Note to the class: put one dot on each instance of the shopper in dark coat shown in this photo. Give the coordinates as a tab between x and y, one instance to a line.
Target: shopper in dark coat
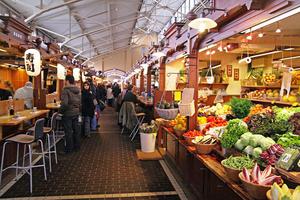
101	92
70	109
88	108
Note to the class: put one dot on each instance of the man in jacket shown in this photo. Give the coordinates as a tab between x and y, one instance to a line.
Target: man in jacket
70	109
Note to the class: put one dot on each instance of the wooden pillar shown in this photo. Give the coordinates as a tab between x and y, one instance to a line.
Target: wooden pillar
60	86
133	80
193	74
36	90
39	94
162	74
149	80
142	81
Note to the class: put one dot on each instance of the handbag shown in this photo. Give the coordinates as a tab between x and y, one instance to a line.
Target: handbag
101	105
95	102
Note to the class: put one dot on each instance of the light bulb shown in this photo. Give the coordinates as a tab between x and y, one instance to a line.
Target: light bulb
260	35
208	53
249	37
212	52
220	48
278	30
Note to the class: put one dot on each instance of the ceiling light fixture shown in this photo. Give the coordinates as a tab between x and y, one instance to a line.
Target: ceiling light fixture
273	20
249	37
260	35
203	23
3	50
278	30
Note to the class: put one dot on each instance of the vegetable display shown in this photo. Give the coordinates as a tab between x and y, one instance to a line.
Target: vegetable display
233	131
193	133
289	140
284	193
294	120
240	107
207	139
260	123
272	154
288	159
149	128
238	162
259	177
284	113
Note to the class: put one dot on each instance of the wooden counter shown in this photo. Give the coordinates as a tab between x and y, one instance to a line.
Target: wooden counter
53	106
24	115
204	173
145	101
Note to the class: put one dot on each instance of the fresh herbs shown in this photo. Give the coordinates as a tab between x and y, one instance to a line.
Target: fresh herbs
289	140
240	107
233	131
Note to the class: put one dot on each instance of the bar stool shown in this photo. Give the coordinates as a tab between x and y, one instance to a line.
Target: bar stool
50	133
140	119
26	140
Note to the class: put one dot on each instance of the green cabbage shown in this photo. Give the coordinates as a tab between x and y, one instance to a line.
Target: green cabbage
256	152
248	150
265	143
255	139
246	137
239	145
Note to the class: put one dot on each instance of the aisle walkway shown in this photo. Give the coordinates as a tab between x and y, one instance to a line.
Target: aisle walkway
105	167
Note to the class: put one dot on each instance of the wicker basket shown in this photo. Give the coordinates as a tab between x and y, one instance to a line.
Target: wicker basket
254	190
232	173
168	114
204	148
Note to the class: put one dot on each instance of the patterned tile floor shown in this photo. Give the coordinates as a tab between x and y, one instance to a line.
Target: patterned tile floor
106	164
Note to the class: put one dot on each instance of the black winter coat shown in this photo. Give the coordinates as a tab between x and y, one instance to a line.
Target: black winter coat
88	108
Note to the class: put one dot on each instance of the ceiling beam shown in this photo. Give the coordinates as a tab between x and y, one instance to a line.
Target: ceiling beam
80	24
109	23
105	44
99	29
105	37
42	11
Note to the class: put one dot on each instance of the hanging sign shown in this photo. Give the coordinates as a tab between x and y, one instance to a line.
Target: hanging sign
32	59
76	74
83	77
61	72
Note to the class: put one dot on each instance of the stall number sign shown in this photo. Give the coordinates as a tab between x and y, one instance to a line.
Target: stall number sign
32	59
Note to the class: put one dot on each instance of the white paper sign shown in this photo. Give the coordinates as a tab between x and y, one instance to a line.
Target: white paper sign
32	59
76	74
61	72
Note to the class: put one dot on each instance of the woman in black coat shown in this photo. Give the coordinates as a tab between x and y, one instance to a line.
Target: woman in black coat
88	108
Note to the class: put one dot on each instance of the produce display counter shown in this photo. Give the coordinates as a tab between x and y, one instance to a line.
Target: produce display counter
204	173
273	102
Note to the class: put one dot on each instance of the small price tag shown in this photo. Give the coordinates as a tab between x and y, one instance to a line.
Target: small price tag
286	158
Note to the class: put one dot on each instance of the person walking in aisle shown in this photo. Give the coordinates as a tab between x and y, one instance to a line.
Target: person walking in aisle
88	108
109	96
70	109
101	92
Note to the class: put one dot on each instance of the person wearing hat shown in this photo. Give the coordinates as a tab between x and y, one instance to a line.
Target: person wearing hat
25	93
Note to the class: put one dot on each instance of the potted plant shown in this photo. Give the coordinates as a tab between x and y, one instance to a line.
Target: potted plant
148	134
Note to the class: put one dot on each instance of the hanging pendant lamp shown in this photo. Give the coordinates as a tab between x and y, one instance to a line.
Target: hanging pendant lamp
201	24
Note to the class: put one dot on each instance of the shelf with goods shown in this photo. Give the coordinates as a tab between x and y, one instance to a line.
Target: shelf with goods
268	86
273	102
